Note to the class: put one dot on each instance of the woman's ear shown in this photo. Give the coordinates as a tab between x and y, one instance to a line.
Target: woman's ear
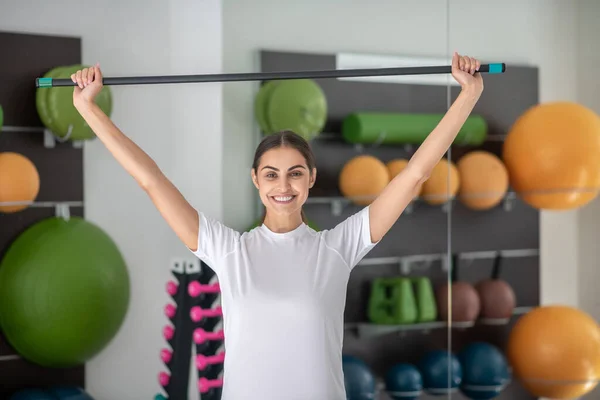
313	178
254	177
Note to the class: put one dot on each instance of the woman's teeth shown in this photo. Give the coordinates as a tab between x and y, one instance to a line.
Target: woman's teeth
283	199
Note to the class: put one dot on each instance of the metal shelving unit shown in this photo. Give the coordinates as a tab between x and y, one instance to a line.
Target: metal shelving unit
366	330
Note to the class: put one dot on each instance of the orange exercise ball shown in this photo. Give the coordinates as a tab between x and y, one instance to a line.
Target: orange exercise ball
555	352
19	181
552	153
362	179
443	183
396	166
483	180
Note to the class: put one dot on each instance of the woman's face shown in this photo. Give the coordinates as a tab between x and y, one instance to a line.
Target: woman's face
283	180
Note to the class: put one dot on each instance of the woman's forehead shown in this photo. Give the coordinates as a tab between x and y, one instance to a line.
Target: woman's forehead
283	157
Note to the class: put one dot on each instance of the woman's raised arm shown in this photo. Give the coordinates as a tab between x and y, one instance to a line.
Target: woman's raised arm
169	201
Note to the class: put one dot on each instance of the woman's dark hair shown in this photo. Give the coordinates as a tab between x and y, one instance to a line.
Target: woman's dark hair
285	139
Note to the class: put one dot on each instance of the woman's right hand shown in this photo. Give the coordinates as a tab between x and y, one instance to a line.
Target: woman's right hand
89	84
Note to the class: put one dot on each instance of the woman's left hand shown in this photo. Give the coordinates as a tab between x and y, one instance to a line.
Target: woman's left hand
464	70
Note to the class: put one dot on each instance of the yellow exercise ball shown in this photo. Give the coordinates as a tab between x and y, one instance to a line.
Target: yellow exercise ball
396	166
362	179
552	153
443	183
483	180
555	352
19	181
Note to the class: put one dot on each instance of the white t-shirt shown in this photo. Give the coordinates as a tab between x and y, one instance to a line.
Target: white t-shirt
283	297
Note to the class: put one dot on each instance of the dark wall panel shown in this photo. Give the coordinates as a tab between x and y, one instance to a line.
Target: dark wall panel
28	56
425	229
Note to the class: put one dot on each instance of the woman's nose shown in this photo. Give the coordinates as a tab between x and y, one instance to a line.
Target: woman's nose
284	183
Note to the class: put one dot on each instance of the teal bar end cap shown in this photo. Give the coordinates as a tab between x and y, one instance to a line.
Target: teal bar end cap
497	68
43	82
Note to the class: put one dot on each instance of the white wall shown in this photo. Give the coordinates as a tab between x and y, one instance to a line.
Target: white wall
178	125
588	87
543	33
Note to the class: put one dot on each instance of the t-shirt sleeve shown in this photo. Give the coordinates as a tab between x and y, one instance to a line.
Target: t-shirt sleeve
351	238
215	241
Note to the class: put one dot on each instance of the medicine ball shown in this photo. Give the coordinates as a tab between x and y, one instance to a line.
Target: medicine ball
358	379
403	382
485	371
436	366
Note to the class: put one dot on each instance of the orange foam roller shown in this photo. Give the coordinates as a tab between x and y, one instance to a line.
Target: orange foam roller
19	181
555	352
552	153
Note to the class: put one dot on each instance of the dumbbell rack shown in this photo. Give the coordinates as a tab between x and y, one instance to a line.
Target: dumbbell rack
195	320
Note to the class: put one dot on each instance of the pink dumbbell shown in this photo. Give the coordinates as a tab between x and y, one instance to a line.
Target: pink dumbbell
166	355
195	289
201	336
205	384
172	288
203	361
170	310
197	313
163	379
168	332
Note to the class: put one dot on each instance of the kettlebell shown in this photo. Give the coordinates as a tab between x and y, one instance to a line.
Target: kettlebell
464	298
498	299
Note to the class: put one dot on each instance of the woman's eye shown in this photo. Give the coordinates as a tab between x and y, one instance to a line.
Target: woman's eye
296	173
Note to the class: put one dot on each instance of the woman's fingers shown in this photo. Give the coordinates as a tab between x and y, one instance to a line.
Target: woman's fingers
474	65
78	76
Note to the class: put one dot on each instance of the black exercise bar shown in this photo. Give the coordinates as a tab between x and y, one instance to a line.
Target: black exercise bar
496	68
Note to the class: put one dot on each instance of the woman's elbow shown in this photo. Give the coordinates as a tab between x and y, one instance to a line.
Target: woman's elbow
418	175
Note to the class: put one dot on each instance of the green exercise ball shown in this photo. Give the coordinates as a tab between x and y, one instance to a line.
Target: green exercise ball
41	102
260	106
299	105
63	113
64	292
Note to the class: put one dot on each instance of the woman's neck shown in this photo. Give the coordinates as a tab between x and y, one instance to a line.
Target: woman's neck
283	223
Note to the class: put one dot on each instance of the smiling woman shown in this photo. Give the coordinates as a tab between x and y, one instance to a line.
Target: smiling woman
283	284
283	171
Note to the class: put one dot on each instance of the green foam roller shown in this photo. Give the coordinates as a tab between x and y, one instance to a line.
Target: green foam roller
425	299
392	128
392	302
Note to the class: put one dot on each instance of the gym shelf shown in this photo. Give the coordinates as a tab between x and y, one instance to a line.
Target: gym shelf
10	357
337	137
405	262
338	203
62	209
365	330
50	139
43	204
